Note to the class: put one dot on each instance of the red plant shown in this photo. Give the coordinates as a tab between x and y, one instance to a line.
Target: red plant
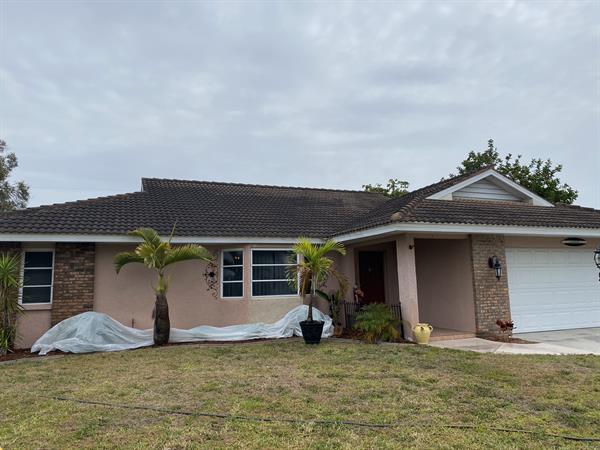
506	327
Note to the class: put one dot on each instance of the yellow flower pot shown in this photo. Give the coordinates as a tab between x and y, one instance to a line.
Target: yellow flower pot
422	331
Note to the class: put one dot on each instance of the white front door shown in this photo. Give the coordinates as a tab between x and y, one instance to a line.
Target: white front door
553	289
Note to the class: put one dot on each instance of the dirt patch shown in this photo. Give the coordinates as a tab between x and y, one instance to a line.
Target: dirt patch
24	353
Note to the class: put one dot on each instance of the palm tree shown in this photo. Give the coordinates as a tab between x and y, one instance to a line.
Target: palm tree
10	281
157	255
314	268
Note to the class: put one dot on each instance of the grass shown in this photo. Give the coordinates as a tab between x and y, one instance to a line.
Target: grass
421	388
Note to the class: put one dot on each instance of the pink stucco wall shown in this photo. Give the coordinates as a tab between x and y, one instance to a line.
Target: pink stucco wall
129	298
30	326
445	283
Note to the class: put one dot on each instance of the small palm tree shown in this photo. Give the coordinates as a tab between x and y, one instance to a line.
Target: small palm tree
157	255
314	268
10	281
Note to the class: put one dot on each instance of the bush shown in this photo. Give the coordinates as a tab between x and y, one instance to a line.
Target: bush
376	323
10	273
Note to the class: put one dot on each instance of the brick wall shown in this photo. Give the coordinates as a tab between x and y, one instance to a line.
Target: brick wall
490	295
73	291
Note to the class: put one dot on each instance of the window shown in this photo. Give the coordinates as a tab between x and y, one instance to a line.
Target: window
269	273
232	270
37	277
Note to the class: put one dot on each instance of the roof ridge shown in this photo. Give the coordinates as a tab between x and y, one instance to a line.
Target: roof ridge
227	183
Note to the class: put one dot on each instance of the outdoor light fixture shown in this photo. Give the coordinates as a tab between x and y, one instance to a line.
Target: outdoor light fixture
597	259
574	242
494	263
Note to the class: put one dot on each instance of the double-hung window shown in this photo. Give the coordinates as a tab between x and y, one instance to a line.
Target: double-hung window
232	270
37	277
270	273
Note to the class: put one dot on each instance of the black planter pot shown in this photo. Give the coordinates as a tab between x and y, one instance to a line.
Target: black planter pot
311	331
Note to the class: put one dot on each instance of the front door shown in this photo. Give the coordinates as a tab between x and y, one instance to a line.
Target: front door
370	274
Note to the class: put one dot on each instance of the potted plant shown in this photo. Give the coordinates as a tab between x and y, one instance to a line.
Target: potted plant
311	271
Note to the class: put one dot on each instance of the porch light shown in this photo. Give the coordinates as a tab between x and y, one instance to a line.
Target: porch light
494	263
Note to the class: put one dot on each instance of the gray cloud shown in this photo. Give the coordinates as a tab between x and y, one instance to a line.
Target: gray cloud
95	95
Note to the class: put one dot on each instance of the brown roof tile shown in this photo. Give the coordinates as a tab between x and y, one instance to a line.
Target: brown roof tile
228	209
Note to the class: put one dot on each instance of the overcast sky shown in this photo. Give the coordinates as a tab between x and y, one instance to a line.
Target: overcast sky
94	96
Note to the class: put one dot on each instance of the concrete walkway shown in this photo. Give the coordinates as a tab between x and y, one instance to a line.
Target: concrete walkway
566	342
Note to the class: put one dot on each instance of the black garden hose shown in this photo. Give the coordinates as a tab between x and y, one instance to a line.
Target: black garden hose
326	422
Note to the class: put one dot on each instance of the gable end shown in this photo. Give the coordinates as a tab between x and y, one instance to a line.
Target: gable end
490	185
486	189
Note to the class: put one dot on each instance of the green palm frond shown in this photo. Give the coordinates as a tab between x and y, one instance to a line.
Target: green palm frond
314	265
331	246
124	258
186	253
10	270
148	235
157	254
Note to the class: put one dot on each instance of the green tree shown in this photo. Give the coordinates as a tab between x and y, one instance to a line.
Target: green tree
539	176
10	281
157	255
314	267
394	188
12	195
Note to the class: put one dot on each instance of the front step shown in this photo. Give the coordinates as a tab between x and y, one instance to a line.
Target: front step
446	335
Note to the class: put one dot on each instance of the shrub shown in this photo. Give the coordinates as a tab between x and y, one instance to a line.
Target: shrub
376	323
10	274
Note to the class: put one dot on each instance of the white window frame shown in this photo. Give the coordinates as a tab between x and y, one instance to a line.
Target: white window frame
37	250
236	265
252	280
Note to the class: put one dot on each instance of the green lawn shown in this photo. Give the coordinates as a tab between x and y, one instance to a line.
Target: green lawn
420	388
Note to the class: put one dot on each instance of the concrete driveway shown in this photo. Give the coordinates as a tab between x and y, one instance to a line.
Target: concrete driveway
586	339
583	341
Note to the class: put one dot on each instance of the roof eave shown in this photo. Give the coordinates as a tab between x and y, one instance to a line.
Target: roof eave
461	228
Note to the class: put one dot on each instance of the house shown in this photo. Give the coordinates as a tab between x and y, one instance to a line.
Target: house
428	250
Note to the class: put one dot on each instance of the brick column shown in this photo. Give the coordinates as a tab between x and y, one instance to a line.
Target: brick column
73	291
490	295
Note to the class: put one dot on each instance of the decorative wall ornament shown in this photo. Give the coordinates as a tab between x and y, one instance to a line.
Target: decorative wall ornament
211	276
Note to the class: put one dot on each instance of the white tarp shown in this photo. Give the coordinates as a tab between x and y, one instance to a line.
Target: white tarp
97	332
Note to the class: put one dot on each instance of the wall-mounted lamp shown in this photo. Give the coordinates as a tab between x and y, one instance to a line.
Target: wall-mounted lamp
494	263
597	259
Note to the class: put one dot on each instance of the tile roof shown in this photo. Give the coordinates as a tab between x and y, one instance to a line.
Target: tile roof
200	209
215	209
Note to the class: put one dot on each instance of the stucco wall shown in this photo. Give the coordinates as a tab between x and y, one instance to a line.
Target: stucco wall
129	298
31	325
445	283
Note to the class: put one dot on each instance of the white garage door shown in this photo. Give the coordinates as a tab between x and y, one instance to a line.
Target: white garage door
553	289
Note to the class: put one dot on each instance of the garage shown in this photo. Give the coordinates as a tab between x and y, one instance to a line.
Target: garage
553	289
